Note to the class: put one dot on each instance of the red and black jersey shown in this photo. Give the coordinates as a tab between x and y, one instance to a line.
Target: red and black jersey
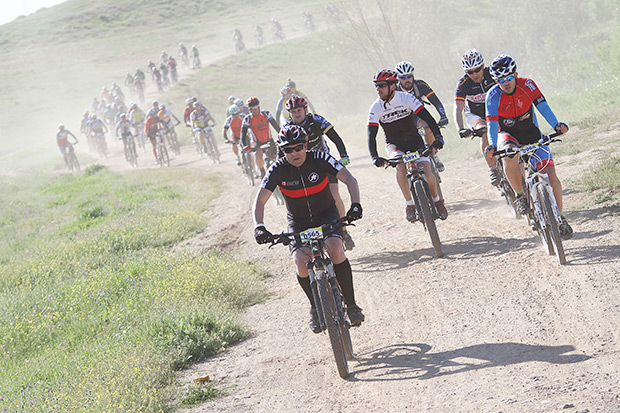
305	189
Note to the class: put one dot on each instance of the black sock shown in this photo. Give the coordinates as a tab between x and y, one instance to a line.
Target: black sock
344	276
305	285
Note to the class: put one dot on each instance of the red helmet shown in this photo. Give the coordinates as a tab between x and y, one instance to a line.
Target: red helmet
296	102
253	101
385	75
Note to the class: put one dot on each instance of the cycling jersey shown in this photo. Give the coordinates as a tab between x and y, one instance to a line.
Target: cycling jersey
473	94
136	116
62	138
421	90
97	126
124	126
515	112
396	117
199	119
305	189
234	124
259	126
316	126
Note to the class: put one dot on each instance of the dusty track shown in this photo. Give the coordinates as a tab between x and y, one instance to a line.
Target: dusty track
494	326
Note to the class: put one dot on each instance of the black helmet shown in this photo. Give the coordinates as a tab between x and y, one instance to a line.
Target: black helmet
292	134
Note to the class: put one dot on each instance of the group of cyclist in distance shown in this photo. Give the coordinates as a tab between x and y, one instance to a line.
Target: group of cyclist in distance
493	99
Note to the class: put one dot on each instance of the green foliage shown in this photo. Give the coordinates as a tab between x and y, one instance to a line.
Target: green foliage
200	393
97	316
604	180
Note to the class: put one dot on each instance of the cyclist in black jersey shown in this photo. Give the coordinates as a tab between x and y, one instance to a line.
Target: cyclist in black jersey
316	126
425	94
303	178
471	91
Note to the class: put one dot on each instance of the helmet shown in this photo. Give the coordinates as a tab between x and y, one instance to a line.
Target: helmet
193	99
385	75
162	107
188	100
471	59
253	101
290	84
94	117
233	109
180	44
155	103
291	134
61	126
239	102
123	115
403	68
196	104
134	105
296	102
85	114
285	91
503	66
231	99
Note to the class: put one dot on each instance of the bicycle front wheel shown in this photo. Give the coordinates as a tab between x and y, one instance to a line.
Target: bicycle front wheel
552	223
427	218
330	314
75	165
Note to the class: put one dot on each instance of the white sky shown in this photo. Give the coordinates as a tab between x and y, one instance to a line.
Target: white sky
10	9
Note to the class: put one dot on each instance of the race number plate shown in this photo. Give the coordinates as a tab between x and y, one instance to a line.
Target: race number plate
528	148
311	233
411	157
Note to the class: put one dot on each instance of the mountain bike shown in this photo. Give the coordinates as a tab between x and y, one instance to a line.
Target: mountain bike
425	207
271	155
100	143
543	214
160	149
327	295
247	164
173	140
131	154
504	188
196	62
210	145
70	159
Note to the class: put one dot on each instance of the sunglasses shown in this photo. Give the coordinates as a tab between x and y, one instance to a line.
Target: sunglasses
405	77
296	148
471	72
506	79
381	85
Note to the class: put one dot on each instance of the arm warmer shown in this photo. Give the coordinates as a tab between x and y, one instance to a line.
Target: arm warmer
492	130
437	103
545	110
334	137
428	118
372	140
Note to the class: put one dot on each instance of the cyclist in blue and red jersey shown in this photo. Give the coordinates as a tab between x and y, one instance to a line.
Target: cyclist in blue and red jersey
471	91
303	178
394	111
425	94
512	121
62	139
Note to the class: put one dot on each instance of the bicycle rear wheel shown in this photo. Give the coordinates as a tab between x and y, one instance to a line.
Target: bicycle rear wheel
75	163
427	218
330	314
552	223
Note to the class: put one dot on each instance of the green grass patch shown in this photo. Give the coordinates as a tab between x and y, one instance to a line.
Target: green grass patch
604	180
96	309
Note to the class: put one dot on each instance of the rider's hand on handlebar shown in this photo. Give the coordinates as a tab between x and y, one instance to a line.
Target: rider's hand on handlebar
344	160
561	127
355	212
437	143
490	148
442	122
261	235
465	133
379	162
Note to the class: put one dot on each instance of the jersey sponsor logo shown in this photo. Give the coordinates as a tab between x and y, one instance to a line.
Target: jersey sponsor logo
394	115
530	85
479	98
524	117
313	177
290	183
509	122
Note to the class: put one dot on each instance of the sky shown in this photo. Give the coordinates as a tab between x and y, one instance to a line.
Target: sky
10	9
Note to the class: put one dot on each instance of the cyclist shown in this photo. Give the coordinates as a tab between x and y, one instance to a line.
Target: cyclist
233	122
425	94
289	89
310	204
471	90
257	122
512	121
136	117
124	126
195	56
199	120
139	75
316	126
167	116
182	53
189	108
231	101
84	123
129	81
151	126
258	36
62	139
276	28
394	111
245	111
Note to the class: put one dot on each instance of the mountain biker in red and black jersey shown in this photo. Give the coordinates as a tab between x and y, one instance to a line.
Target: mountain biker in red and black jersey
303	178
471	91
394	111
512	121
257	122
425	94
233	122
316	127
62	139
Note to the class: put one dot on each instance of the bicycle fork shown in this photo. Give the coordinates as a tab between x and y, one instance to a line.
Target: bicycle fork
325	266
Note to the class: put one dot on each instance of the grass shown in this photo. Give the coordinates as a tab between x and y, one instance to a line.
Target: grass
96	309
604	181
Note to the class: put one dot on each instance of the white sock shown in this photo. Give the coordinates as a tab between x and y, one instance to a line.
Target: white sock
410	202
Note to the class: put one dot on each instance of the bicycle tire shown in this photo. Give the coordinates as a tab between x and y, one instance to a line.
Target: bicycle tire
507	192
429	222
534	216
165	156
247	168
552	223
342	322
330	314
75	164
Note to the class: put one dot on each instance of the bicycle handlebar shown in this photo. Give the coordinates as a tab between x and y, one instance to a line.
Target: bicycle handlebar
395	161
512	151
321	232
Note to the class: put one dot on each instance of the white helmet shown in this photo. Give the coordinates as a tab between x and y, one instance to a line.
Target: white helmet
472	59
404	68
231	100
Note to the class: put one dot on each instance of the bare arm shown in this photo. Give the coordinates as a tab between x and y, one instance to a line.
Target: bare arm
258	209
354	191
459	105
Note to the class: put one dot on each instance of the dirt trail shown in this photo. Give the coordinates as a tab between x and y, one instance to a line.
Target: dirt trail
495	325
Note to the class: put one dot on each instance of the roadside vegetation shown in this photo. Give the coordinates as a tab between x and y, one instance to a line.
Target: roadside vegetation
96	309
